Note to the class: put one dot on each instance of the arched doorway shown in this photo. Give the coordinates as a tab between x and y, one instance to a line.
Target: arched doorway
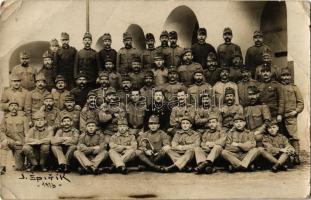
183	20
138	36
34	49
273	23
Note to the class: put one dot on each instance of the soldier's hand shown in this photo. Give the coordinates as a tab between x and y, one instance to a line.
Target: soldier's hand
292	113
149	152
235	144
279	118
77	107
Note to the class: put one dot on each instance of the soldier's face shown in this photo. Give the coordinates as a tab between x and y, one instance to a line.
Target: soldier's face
266	59
13	107
198	77
69	104
224	74
173	41
212	124
40	84
253	97
185	125
150	43
24	61
158	97
266	74
47	62
135	96
201	37
164	40
246	74
16	84
239	124
67	122
60	85
237	61
258	40
286	78
107	44
122	128
206	101
81	81
87	42
48	103
104	81
148	81
54	47
229	99
227	37
173	76
188	57
159	62
39	123
153	126
65	42
91	101
127	43
273	130
126	85
211	64
181	96
109	66
136	66
91	128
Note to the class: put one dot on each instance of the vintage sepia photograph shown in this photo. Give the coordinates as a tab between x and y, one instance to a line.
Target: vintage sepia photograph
154	99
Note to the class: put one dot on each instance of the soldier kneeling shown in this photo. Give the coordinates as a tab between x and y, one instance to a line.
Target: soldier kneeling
276	148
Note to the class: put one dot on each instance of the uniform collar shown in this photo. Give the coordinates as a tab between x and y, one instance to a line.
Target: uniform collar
123	135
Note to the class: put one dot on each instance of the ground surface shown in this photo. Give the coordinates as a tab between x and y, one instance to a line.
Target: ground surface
262	184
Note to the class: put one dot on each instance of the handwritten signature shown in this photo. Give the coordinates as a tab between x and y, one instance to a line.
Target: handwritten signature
51	180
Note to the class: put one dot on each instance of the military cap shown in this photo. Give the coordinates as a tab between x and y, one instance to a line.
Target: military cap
122	121
272	122
253	89
149	36
258	33
266	54
48	96
91	120
164	33
229	90
158	55
106	36
172	69
266	68
59	78
198	71
154	119
239	116
66	116
108	59
103	74
149	74
126	78
40	77
47	54
24	54
38	115
224	68
136	59
213	115
187	117
81	74
91	93
111	90
173	34
211	56
186	50
227	30
64	35
15	77
13	101
285	71
87	35
54	41
127	35
244	68
202	31
69	98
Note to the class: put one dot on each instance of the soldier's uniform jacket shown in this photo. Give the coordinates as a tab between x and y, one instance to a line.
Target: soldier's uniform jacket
52	117
137	79
110	125
34	100
200	52
235	74
271	95
202	114
59	98
178	112
50	75
274	71
212	77
218	137
186	72
188	138
226	53
245	137
274	143
124	96
228	113
170	90
292	99
91	140
86	62
115	79
104	54
14	128
256	115
135	114
27	74
253	57
80	95
176	56
125	139
243	91
219	91
167	54
124	59
35	134
73	133
147	58
160	76
147	92
85	114
196	90
10	94
158	140
74	114
65	60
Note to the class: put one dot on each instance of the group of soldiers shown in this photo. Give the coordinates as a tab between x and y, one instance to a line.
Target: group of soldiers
186	108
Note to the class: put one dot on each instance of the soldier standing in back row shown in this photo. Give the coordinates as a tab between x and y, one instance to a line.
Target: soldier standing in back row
49	70
106	52
177	51
147	56
164	48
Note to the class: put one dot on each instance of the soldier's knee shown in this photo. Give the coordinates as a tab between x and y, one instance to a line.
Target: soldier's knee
217	147
72	148
261	149
225	153
138	152
197	149
26	149
76	153
45	148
